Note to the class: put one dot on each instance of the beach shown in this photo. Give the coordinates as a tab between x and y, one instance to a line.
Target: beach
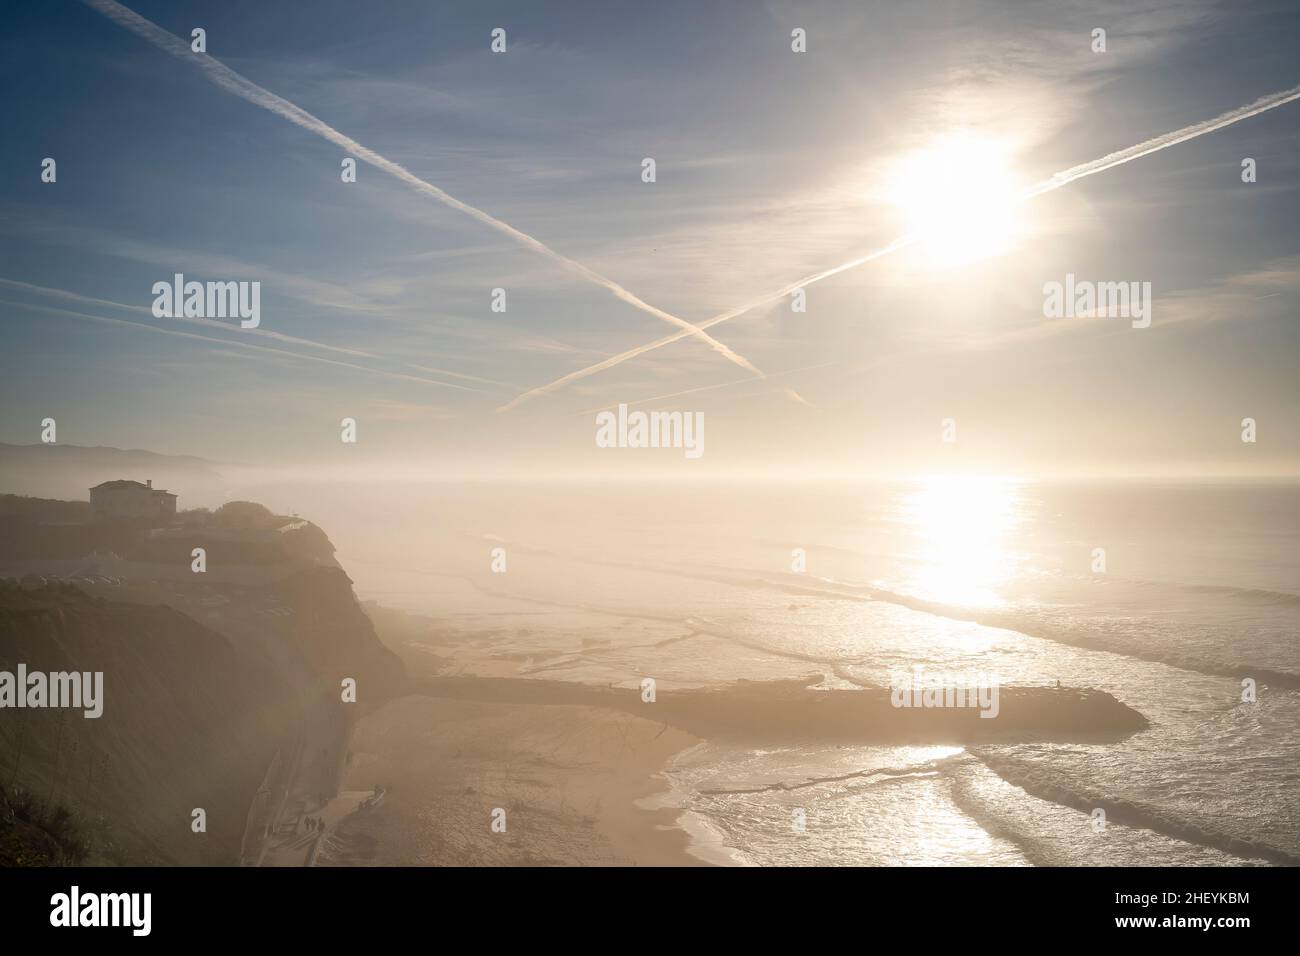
569	779
902	577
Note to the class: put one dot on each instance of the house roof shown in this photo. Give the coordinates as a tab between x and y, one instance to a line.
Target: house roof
123	484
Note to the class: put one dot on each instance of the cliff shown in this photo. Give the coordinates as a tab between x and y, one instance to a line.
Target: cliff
206	686
185	724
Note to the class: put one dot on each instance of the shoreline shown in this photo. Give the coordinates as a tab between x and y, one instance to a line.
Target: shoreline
704	842
472	783
648	827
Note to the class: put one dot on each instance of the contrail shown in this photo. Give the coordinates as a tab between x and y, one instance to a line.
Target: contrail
245	88
211	323
723	317
1157	143
1054	182
267	333
400	376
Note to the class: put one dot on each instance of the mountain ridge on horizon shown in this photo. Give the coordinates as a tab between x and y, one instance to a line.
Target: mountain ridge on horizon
68	471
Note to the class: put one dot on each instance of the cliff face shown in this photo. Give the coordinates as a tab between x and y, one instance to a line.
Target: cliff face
201	692
334	638
186	724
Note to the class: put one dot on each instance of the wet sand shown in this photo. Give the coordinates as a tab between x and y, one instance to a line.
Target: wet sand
569	779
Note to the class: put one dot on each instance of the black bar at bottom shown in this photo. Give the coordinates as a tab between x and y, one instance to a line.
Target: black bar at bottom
382	906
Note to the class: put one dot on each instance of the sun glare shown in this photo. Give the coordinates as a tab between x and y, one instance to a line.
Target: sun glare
959	198
962	528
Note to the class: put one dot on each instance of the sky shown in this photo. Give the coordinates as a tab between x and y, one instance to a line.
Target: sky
770	165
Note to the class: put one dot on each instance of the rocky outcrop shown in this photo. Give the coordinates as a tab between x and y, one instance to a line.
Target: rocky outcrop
792	710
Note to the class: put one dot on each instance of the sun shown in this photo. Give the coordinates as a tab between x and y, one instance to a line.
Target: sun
959	198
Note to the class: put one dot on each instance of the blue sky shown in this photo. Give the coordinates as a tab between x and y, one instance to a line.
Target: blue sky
770	164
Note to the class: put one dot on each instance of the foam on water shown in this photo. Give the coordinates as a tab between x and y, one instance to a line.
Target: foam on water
696	587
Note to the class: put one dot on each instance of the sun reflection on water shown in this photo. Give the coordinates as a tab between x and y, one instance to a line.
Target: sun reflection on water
960	532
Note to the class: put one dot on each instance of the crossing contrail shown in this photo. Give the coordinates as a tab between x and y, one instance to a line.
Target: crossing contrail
241	86
1054	182
723	317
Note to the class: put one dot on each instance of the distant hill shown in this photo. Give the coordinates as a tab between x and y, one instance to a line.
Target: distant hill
69	471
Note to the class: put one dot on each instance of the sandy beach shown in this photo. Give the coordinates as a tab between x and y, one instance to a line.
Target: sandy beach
569	779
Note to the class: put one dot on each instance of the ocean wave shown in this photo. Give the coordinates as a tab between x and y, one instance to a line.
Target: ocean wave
1053	787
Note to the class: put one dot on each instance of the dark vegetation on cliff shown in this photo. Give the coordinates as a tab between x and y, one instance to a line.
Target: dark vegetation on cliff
239	532
204	683
186	724
35	832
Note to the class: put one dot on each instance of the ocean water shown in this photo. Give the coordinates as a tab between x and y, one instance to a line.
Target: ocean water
698	584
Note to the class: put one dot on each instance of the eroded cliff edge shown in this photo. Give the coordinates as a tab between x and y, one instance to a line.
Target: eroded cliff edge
210	680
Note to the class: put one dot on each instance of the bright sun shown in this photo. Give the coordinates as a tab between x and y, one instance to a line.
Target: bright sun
959	198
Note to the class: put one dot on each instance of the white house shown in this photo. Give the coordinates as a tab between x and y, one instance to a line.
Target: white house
130	499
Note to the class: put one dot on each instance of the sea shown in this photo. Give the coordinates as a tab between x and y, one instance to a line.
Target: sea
1181	599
